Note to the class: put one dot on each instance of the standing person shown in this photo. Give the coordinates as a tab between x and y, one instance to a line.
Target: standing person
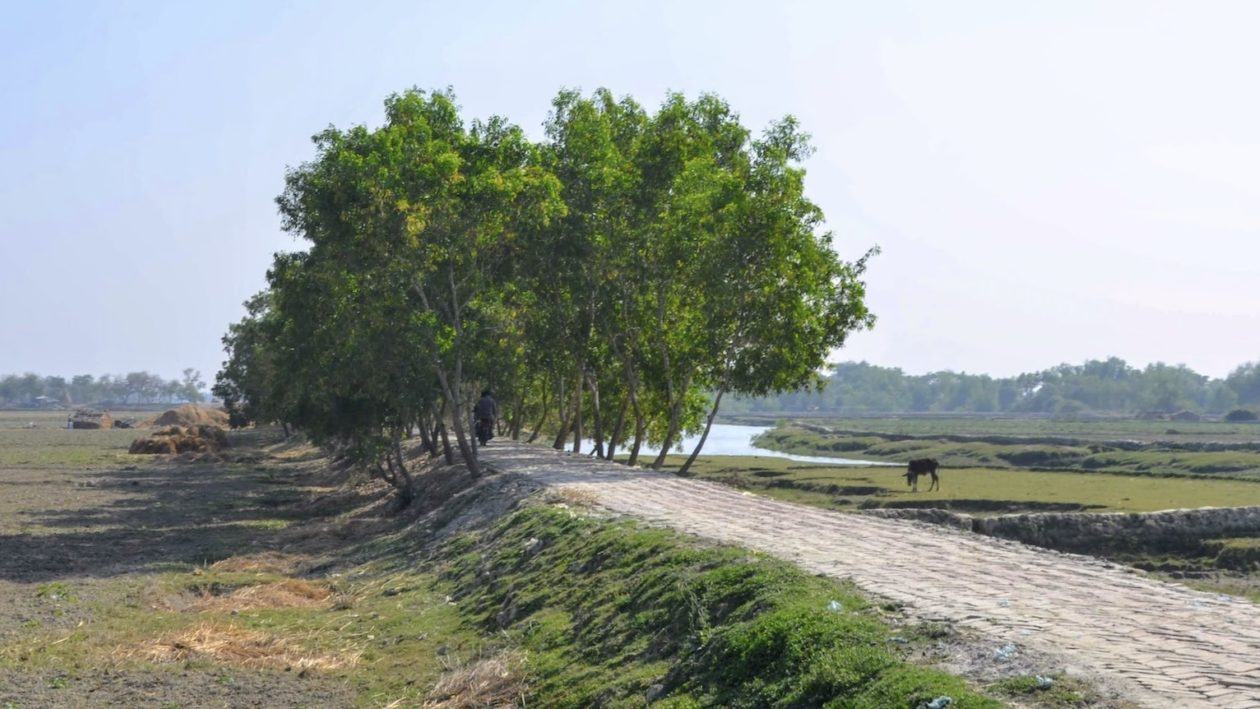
486	412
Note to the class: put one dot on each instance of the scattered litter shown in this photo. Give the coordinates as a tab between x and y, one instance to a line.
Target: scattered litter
1044	682
898	639
1005	652
1004	603
938	703
533	545
835	607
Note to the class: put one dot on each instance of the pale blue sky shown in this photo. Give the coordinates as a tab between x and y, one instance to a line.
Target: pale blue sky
1049	182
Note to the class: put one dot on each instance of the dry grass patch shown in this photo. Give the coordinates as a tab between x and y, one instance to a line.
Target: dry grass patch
290	593
489	682
231	645
267	562
576	496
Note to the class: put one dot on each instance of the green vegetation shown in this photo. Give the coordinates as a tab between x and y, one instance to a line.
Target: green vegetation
1028	429
606	282
1108	386
591	612
1220	459
588	612
25	390
970	489
50	445
609	612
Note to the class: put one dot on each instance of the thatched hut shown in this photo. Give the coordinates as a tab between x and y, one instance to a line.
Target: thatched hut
85	418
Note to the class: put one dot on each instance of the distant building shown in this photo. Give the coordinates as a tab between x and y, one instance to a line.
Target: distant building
1185	415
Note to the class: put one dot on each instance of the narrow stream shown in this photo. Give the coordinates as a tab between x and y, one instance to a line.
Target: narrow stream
731	439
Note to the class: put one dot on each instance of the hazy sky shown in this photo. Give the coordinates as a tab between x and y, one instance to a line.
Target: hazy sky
1049	182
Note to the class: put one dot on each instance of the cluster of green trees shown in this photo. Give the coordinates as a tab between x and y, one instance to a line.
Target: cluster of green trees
26	390
612	281
1099	386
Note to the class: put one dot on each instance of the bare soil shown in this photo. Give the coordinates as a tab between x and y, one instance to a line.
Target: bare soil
76	541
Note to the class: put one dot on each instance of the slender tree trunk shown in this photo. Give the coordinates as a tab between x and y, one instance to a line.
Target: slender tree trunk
426	440
599	424
546	409
453	382
717	401
577	410
518	413
565	421
447	451
640	425
671	431
618	428
406	483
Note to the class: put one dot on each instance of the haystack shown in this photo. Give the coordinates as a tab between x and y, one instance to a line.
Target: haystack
189	415
182	439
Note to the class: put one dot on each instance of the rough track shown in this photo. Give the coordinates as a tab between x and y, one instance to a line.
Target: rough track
1160	644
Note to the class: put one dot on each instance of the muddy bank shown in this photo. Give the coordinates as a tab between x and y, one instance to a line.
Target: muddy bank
1115	532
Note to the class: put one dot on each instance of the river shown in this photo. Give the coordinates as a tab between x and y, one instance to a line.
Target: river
731	439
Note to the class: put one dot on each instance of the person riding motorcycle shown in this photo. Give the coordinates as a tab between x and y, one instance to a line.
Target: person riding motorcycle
485	413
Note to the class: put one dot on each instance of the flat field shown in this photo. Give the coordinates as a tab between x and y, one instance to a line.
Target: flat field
1220	450
971	489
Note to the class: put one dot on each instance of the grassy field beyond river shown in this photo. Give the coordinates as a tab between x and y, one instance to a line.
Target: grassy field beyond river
1018	467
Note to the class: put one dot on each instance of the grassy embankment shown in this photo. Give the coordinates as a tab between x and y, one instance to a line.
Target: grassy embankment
259	580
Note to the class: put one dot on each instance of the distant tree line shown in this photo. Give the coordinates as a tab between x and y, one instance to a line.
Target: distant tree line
32	391
1097	386
611	282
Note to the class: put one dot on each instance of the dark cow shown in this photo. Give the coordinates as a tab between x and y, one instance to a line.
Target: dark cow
922	466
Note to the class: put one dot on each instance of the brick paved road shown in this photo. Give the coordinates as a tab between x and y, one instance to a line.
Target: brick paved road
1161	644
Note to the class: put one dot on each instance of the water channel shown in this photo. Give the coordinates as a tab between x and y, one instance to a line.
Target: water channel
732	439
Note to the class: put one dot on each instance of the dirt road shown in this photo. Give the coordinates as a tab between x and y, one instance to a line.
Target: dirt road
1160	644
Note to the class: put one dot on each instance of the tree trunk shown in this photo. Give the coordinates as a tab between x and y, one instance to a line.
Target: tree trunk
671	431
565	421
542	418
406	483
514	425
426	440
447	452
577	411
717	401
599	424
452	387
618	428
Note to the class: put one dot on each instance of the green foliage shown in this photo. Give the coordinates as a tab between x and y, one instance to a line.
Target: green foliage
1241	415
616	274
609	610
1097	386
24	391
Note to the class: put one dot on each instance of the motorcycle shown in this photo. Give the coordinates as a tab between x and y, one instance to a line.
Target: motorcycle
484	429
